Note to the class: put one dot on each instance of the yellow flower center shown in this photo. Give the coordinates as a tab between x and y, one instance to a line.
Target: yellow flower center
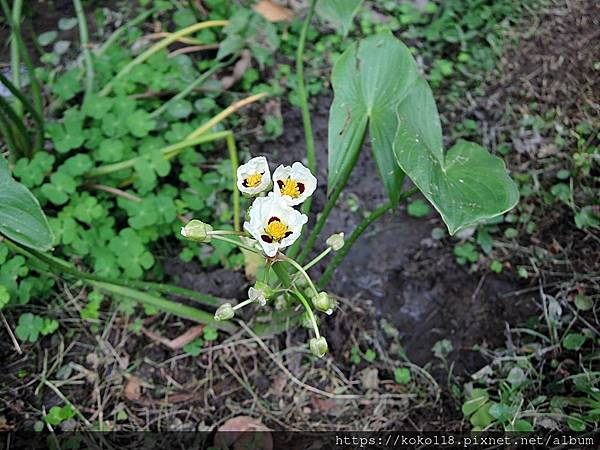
253	180
291	188
276	229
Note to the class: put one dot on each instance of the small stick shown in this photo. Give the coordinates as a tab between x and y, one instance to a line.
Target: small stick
10	333
192	49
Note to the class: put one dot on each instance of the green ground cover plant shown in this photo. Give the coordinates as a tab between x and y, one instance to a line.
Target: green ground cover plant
108	157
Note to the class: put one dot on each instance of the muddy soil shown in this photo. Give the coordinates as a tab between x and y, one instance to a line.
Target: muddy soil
412	280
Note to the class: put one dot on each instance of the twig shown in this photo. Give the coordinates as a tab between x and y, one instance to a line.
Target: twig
10	333
116	191
192	49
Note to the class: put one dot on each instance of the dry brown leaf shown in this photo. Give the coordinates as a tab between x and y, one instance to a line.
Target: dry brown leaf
243	64
244	432
4	426
187	337
370	378
323	404
133	389
178	342
273	12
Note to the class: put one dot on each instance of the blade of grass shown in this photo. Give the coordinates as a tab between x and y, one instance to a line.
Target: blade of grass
118	287
159	46
35	84
225	113
34	114
84	41
121	30
169	152
9	139
177	309
15	57
184	93
24	143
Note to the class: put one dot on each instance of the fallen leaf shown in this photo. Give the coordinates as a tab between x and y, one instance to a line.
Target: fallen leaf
370	378
272	11
187	337
323	404
243	64
179	341
133	389
4	426
243	432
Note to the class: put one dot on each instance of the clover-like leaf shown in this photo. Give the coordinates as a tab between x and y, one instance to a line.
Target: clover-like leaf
67	85
31	172
69	134
4	296
140	123
21	218
60	187
110	150
96	106
77	165
31	326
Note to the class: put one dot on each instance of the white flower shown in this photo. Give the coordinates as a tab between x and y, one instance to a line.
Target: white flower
254	177
274	224
294	184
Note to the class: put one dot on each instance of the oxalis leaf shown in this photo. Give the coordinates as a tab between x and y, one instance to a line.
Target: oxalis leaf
21	218
377	87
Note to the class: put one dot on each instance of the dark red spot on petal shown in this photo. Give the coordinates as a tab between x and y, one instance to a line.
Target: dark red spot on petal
268	239
301	187
273	219
280	184
245	183
287	234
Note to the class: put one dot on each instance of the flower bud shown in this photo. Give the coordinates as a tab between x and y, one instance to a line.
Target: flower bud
260	293
324	302
224	312
335	241
196	231
318	346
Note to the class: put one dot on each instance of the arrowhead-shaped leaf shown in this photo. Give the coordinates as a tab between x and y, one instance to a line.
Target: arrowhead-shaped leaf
370	80
377	87
467	185
21	218
339	12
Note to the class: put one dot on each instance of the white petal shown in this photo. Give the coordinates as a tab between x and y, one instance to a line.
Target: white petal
256	165
299	173
262	210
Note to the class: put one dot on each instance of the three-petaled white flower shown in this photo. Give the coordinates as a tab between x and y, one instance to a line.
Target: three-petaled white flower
274	224
254	177
294	184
